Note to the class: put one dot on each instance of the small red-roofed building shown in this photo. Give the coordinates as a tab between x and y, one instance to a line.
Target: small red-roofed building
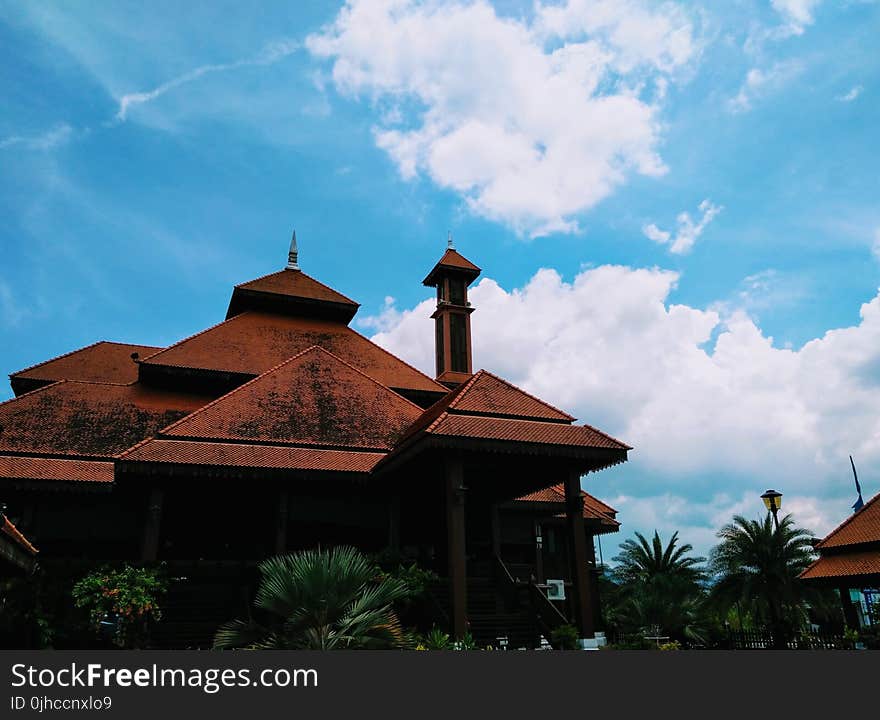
282	428
849	559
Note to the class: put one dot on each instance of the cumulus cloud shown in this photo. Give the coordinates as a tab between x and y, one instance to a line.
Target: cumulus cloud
713	408
797	14
759	82
687	229
530	121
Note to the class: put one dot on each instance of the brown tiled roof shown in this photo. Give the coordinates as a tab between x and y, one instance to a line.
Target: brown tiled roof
860	527
88	419
295	283
253	342
594	509
488	394
313	398
847	564
452	259
40	468
14	533
193	452
101	362
524	431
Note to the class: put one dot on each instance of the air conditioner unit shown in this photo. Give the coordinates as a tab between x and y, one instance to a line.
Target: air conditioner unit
556	589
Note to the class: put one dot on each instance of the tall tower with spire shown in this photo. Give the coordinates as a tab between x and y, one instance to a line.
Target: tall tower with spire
452	276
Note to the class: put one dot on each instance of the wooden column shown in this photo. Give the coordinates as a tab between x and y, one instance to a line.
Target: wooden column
152	525
577	541
281	516
595	600
495	519
850	616
455	534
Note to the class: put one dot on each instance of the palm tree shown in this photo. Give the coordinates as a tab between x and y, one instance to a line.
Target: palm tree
758	566
320	599
642	561
659	588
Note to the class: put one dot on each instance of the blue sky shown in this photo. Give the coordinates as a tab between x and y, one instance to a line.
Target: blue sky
153	156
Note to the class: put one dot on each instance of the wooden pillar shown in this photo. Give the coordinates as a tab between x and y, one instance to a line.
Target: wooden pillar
281	515
539	553
577	541
455	534
850	616
495	519
152	525
595	600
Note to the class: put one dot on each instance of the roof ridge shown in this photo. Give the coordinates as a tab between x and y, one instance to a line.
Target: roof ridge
524	392
305	274
194	335
401	360
848	520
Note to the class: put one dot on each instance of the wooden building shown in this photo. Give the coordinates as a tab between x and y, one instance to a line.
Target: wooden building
849	559
280	428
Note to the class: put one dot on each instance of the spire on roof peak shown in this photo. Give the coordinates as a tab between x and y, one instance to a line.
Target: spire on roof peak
449	245
293	255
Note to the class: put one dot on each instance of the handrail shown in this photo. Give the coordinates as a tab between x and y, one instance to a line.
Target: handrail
508	586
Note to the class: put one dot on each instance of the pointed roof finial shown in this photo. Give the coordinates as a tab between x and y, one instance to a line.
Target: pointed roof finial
292	262
449	244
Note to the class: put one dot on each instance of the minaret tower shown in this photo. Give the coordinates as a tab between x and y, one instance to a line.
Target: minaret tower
452	276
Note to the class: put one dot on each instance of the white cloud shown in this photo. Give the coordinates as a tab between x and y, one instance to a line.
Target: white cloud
531	122
687	230
735	417
853	93
796	13
270	54
759	82
48	140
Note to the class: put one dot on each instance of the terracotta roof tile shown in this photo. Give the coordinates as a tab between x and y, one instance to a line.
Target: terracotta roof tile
192	452
452	259
15	534
40	468
860	527
525	431
88	419
594	508
101	362
488	394
313	398
844	565
295	283
253	342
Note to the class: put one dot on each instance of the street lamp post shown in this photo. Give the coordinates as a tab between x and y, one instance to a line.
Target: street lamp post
773	502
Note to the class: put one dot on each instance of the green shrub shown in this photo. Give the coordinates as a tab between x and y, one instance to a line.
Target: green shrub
565	637
127	598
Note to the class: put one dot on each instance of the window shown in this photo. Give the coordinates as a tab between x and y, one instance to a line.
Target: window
458	342
456	291
438	343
